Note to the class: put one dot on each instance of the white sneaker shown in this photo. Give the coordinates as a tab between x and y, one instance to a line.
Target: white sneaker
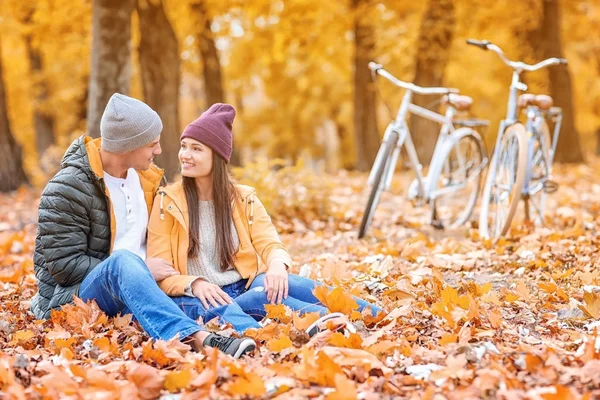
318	325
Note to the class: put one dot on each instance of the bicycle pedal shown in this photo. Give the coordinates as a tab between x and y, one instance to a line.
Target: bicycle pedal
550	186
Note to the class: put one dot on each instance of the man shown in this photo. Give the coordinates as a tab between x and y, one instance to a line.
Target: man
93	217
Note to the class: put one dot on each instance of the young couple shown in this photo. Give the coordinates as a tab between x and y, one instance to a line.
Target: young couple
201	248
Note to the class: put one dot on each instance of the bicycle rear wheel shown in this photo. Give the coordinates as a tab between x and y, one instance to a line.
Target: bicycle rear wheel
540	169
502	190
458	182
386	151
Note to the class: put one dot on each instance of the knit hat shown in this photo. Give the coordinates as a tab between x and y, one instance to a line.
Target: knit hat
213	129
128	124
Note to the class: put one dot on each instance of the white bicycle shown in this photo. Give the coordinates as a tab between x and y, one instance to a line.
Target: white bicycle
452	184
521	165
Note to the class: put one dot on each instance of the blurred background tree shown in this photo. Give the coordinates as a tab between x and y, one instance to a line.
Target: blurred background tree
295	70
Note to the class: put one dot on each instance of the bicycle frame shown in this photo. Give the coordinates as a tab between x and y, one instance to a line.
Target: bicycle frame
426	190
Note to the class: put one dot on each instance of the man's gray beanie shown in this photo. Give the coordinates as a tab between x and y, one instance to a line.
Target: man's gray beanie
128	124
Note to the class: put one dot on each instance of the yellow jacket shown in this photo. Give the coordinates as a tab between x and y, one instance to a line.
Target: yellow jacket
168	236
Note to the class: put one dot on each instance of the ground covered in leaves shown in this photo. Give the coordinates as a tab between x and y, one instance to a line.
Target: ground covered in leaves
466	319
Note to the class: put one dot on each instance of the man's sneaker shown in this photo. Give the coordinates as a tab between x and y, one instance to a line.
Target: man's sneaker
233	346
321	324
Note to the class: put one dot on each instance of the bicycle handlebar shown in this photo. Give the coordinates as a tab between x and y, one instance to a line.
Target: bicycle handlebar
518	65
378	69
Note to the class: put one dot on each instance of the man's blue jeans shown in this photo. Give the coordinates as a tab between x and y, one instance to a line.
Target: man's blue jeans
123	284
300	297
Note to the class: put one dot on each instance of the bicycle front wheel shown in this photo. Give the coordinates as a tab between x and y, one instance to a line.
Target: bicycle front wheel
502	190
386	151
458	182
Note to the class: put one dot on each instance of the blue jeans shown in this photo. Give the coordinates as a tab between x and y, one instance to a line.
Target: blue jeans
123	284
300	297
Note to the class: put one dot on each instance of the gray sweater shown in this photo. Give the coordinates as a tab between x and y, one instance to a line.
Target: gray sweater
206	265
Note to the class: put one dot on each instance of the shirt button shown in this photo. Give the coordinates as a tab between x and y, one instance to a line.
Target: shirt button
127	197
129	211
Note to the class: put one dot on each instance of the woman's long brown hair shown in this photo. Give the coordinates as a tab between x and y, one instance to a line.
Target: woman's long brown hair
224	194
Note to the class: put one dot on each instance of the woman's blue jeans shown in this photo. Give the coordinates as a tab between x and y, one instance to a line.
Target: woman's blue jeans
300	297
123	284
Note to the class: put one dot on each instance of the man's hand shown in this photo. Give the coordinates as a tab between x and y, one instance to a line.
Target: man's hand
160	269
209	293
276	282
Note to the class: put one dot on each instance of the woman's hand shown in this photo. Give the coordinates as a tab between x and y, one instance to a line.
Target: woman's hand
210	293
276	282
160	269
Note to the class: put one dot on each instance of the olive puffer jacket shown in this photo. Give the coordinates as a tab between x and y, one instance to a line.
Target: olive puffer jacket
76	225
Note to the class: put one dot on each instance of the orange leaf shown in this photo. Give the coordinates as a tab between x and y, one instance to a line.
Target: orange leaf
346	389
335	300
302	323
209	375
354	341
278	312
281	343
448	338
591	308
103	343
177	380
549	287
495	318
383	347
252	385
148	380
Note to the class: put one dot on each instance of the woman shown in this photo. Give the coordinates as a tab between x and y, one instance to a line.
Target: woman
221	240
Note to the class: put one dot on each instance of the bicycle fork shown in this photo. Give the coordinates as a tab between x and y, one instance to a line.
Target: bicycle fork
394	131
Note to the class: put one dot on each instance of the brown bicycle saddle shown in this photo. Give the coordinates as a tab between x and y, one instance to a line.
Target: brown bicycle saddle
542	101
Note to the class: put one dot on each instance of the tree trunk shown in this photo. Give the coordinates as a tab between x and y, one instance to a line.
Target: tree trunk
43	122
366	135
561	90
12	175
211	65
110	68
435	38
161	77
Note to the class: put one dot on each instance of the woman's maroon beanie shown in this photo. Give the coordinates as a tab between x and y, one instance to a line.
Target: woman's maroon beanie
213	129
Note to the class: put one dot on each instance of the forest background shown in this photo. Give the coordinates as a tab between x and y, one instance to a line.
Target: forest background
296	71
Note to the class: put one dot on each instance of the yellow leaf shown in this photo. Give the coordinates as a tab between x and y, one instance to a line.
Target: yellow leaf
448	338
23	336
449	295
281	343
510	297
177	380
464	302
483	289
